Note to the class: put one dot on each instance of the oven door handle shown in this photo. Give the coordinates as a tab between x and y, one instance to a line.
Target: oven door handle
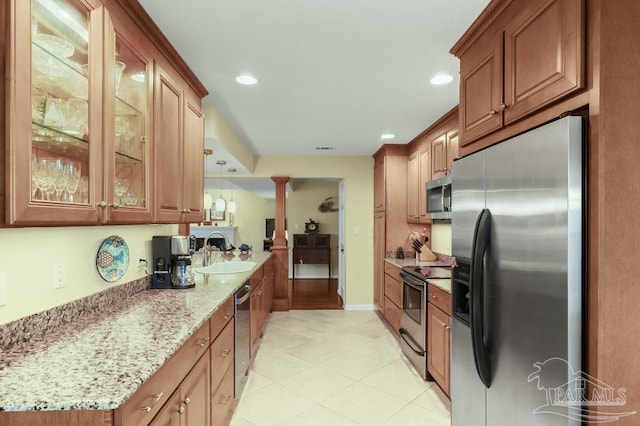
405	334
412	282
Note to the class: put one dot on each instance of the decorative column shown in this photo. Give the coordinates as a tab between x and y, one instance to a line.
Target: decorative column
280	250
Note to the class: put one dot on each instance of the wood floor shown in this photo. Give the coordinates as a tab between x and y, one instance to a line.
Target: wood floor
315	294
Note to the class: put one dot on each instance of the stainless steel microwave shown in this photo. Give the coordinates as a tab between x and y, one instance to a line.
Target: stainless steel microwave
439	198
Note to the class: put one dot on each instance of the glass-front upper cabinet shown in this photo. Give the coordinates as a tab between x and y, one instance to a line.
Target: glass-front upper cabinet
127	126
55	139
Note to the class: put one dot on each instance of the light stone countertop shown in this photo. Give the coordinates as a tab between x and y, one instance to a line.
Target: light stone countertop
442	283
99	361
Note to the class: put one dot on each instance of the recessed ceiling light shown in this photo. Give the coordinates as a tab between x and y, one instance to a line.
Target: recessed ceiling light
387	136
247	80
440	79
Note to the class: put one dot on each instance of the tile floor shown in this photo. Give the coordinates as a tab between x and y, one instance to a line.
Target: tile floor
327	367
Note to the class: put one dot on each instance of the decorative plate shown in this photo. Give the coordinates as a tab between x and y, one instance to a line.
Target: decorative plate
112	260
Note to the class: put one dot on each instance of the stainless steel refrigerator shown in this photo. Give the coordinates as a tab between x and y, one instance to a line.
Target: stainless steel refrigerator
516	332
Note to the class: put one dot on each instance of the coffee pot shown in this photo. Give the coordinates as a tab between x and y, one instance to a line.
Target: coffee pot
181	250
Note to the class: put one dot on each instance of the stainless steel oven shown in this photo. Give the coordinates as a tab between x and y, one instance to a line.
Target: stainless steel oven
413	322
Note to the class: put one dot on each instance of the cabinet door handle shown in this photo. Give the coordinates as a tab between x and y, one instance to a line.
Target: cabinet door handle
187	400
103	204
433	296
493	112
202	343
115	205
226	316
502	107
186	211
156	398
226	353
181	409
226	400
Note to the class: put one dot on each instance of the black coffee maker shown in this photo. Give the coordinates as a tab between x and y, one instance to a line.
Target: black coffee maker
172	261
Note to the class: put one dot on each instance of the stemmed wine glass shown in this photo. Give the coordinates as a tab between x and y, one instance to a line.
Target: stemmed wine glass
121	186
59	177
44	177
72	170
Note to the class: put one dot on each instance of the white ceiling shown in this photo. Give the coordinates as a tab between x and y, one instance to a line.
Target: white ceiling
331	73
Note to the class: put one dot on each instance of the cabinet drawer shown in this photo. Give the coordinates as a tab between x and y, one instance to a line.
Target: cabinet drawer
393	289
222	355
154	393
222	400
392	313
221	317
440	298
394	271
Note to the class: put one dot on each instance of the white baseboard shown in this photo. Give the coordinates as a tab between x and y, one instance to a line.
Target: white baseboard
312	277
359	307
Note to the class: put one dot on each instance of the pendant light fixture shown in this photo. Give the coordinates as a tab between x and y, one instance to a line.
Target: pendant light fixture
232	204
221	204
208	199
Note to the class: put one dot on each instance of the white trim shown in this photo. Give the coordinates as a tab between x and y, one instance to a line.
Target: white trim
359	307
312	277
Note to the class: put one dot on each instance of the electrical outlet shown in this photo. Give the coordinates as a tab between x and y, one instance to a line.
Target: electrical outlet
356	230
141	254
3	288
58	276
296	226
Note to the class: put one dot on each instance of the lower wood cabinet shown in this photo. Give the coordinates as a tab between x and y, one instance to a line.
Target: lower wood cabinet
392	296
190	403
439	336
222	399
260	302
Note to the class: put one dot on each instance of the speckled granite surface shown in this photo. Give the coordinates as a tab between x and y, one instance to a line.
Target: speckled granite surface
412	262
99	361
41	323
441	283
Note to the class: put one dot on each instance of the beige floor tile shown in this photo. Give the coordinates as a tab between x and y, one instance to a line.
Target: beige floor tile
278	365
434	400
282	338
320	416
317	383
236	420
397	381
272	405
381	349
354	366
364	404
255	382
315	351
413	415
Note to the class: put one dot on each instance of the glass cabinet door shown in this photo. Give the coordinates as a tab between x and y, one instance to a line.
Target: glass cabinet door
60	130
127	177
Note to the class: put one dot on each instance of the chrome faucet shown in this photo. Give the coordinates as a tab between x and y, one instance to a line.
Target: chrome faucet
207	253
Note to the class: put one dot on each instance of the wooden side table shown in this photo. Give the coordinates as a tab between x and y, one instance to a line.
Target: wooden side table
311	249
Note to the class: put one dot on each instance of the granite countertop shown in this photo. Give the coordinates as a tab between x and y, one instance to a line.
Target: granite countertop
442	283
99	361
412	262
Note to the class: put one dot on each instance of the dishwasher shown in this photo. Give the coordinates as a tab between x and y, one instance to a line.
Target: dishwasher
242	337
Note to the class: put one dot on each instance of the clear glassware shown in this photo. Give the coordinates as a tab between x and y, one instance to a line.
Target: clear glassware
83	190
73	171
59	176
121	187
44	178
77	117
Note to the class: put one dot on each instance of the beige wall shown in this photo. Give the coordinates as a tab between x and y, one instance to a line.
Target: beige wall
357	173
441	238
302	205
218	128
250	216
28	256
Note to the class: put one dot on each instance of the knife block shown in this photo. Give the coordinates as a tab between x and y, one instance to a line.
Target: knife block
426	255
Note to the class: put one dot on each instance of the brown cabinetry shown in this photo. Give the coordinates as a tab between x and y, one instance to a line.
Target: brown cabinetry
413	187
260	302
531	56
390	205
311	249
392	295
80	115
439	336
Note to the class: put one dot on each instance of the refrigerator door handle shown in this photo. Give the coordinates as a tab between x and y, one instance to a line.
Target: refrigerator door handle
481	240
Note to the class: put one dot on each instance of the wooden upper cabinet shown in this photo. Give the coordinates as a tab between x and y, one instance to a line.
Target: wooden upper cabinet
193	179
439	155
168	159
452	147
425	176
543	55
529	56
413	187
378	184
481	88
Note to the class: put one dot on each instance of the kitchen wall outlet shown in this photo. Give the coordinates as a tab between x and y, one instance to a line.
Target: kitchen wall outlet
296	226
141	254
356	230
58	276
3	288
